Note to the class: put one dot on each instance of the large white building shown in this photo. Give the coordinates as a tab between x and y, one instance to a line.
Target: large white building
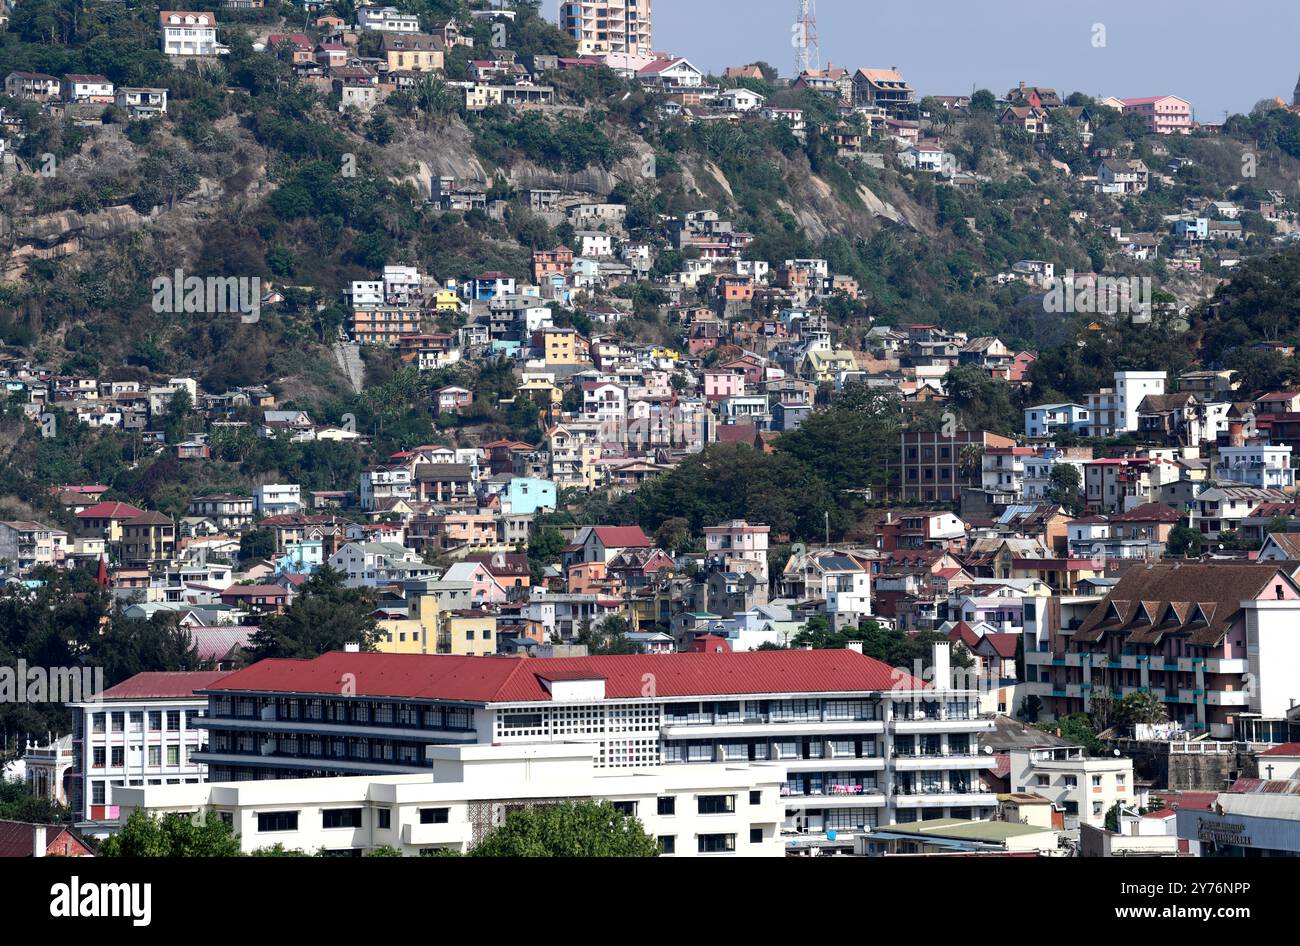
277	499
862	744
1084	788
189	33
387	20
704	810
1114	411
140	732
1263	466
609	26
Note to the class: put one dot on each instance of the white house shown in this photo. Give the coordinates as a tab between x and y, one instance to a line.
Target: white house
387	19
1261	465
741	100
190	33
277	499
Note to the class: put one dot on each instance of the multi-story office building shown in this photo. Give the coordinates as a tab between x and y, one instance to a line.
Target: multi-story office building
936	467
1081	787
692	811
140	732
862	744
601	27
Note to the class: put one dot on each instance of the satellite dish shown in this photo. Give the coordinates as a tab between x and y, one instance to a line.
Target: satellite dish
798	549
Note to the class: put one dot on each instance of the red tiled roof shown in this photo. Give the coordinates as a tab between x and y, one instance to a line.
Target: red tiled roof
110	510
162	686
622	537
16	839
1004	645
1287	749
508	679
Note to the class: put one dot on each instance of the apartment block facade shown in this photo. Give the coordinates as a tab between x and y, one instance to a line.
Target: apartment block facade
601	27
861	744
141	732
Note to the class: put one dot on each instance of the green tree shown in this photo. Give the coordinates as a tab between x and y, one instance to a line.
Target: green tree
1141	707
172	835
325	616
1184	542
1065	488
572	829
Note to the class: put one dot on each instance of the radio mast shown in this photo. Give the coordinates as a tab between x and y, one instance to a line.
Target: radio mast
807	50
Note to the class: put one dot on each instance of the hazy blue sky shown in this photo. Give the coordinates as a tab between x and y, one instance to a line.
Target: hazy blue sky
1219	55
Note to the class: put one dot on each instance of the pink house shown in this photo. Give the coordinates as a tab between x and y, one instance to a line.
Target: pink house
1163	114
486	590
722	383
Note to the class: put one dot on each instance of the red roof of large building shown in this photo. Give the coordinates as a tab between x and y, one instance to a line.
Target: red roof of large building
510	679
163	686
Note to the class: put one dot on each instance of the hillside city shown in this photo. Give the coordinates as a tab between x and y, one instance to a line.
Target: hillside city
467	428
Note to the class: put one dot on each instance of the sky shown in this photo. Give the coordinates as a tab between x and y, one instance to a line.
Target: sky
1221	56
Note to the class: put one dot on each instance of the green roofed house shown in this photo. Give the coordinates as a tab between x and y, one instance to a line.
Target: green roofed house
957	836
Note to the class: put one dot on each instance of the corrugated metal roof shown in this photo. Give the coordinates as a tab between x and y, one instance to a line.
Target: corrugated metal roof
171	685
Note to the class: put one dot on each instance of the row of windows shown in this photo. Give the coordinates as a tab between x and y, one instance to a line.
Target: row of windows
153	756
135	720
346	710
99	791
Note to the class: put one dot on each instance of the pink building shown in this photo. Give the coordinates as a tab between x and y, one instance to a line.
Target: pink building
1163	114
721	383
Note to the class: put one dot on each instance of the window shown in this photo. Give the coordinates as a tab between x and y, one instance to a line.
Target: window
97	793
667	805
716	804
1096	781
155	755
98	757
755	835
173	755
434	815
117	756
716	843
277	821
341	818
1044	781
155	720
173	720
756	798
383	818
667	844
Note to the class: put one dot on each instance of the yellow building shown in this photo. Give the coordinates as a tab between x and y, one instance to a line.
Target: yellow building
416	52
468	633
561	346
824	366
541	390
402	636
447	300
415	634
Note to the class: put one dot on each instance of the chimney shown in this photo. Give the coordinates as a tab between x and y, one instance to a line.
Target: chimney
855	646
39	844
942	668
1236	434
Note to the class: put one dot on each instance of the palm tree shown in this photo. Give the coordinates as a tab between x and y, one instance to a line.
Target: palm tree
432	97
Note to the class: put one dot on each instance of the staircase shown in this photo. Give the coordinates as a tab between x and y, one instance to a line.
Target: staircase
348	357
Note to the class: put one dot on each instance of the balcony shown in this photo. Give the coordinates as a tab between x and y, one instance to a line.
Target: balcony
959	724
836	796
913	762
428	835
935	799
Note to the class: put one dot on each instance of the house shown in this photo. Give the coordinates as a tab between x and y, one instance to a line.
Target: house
741	100
32	86
21	839
87	88
190	33
1122	176
882	88
604	543
387	19
25	545
141	102
451	399
416	52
